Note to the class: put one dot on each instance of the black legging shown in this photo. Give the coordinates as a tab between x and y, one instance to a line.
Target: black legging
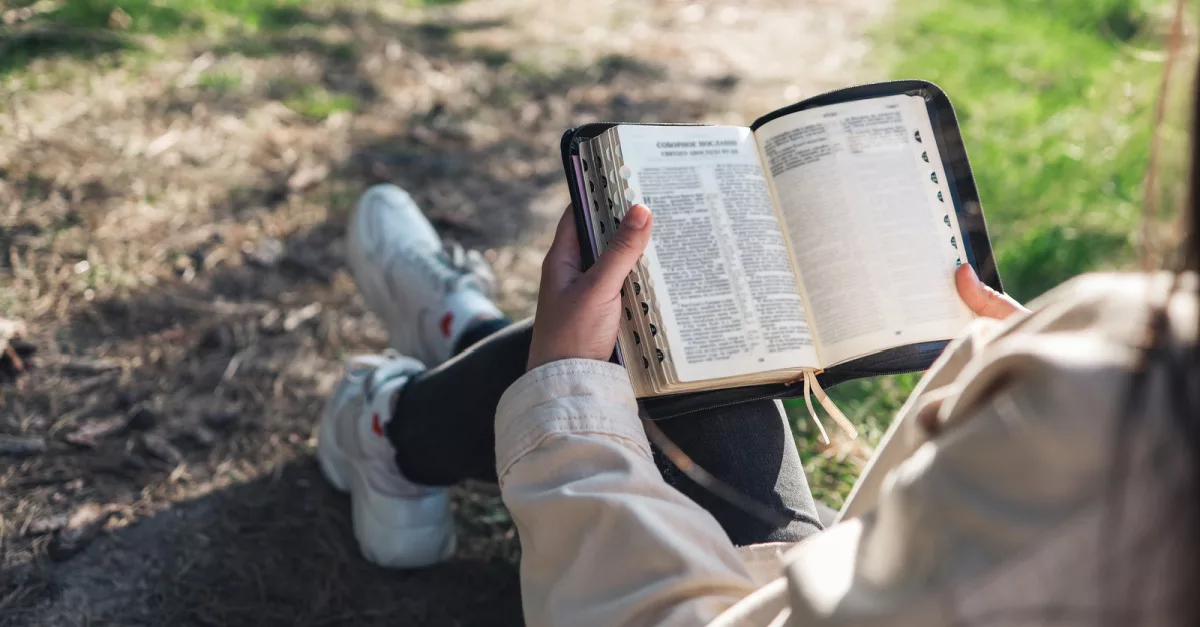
443	430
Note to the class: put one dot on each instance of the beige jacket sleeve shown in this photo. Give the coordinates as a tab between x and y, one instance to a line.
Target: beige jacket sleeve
604	540
991	497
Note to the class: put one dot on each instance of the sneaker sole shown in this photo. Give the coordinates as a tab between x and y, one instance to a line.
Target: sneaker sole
382	542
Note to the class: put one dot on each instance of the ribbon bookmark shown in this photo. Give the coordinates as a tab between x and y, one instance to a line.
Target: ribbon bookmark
811	388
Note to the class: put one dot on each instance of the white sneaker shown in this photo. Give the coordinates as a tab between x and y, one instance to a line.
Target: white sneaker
398	524
426	292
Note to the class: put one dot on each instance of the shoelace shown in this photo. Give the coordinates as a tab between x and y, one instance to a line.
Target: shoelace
447	268
468	264
375	375
811	388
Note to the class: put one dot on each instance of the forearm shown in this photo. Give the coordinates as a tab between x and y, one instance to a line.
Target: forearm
605	540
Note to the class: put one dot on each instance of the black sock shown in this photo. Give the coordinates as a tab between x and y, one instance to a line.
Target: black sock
466	440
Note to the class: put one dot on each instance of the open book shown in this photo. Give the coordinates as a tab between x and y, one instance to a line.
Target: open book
826	233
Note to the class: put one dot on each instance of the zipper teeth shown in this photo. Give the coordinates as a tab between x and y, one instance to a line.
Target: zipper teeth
781	394
975	188
788	110
827	94
717	406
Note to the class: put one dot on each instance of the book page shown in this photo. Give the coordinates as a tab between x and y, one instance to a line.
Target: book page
721	274
862	189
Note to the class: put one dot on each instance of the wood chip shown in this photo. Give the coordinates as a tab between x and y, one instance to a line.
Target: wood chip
270	322
265	254
90	366
47	524
83	526
19	446
297	317
162	449
307	176
203	437
424	135
91	384
92	431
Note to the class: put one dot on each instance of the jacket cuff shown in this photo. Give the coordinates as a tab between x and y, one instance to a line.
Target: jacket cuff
571	396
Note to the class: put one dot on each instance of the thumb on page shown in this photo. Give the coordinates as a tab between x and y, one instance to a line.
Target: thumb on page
623	251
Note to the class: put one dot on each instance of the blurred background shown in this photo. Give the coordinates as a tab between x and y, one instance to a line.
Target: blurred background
174	178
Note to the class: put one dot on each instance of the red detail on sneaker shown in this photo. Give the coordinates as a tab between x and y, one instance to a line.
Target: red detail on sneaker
376	425
446	320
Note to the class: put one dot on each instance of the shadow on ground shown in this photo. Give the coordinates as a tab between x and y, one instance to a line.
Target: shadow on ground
275	551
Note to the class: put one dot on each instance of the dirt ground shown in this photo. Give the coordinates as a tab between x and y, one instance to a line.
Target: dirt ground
170	235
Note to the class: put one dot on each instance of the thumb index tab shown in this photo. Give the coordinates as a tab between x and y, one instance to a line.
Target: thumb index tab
624	250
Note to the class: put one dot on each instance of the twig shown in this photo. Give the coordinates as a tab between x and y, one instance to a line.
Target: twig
21	446
91	384
1149	193
17	362
231	369
90	366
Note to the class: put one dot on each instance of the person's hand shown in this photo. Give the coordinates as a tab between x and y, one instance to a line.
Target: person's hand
578	312
983	300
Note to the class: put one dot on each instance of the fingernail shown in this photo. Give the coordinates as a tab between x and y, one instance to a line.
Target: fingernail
637	217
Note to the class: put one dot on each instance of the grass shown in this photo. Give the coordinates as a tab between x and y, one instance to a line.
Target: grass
91	27
1056	105
220	81
176	16
1056	111
319	103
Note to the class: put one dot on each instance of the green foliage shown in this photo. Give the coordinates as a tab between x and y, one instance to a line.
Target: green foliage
870	404
220	81
92	27
1056	117
319	103
1056	110
173	16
